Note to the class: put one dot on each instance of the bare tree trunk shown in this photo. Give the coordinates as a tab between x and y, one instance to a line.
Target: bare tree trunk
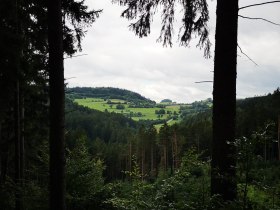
17	127
21	145
152	159
57	100
175	151
279	137
165	156
18	203
130	158
143	161
1	153
265	149
172	155
4	152
223	174
198	144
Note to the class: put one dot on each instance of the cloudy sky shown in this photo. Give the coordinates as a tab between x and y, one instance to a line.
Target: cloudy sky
117	58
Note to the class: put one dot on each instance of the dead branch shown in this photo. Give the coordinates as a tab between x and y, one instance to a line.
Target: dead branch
75	56
247	55
253	18
204	81
253	5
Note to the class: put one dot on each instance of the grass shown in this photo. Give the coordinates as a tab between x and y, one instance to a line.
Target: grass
146	113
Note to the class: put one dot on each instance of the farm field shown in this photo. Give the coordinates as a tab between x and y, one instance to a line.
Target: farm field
135	113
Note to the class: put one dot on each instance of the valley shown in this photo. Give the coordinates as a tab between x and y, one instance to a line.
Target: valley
136	107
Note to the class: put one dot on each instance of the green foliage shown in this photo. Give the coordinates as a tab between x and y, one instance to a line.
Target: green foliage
263	198
136	194
161	111
187	189
259	183
120	106
84	179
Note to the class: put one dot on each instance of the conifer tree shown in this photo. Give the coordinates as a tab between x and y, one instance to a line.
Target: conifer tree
56	83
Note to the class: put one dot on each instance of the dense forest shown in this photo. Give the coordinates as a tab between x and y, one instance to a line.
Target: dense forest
56	154
113	162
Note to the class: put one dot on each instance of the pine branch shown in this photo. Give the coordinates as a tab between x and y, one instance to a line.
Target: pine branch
247	55
252	18
253	5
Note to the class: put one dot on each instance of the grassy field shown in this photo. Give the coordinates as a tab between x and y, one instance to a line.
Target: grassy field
134	113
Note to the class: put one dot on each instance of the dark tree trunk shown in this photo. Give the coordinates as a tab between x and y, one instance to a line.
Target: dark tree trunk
143	160
21	145
223	175
3	157
18	203
56	80
279	137
152	158
165	155
175	153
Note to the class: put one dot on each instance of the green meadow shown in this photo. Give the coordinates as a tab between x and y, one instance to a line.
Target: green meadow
135	113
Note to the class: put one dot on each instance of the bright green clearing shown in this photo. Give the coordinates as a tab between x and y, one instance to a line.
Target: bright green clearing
134	113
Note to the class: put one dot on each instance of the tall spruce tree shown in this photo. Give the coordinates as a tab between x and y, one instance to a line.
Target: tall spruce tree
57	97
223	164
23	59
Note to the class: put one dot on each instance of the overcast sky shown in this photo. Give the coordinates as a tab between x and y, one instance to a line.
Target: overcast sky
117	58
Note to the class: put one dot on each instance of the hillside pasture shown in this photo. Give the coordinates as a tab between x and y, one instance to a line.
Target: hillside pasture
135	113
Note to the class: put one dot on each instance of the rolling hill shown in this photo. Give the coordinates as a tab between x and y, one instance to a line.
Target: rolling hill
133	105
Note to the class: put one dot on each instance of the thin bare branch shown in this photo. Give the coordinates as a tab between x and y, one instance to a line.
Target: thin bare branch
253	5
75	56
204	82
69	78
253	18
247	55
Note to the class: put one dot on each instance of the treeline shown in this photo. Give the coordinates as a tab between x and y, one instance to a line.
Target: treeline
110	93
253	113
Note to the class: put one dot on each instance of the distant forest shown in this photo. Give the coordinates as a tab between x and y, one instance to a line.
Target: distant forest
106	93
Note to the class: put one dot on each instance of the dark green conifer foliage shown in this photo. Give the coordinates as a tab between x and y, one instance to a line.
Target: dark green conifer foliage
23	78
